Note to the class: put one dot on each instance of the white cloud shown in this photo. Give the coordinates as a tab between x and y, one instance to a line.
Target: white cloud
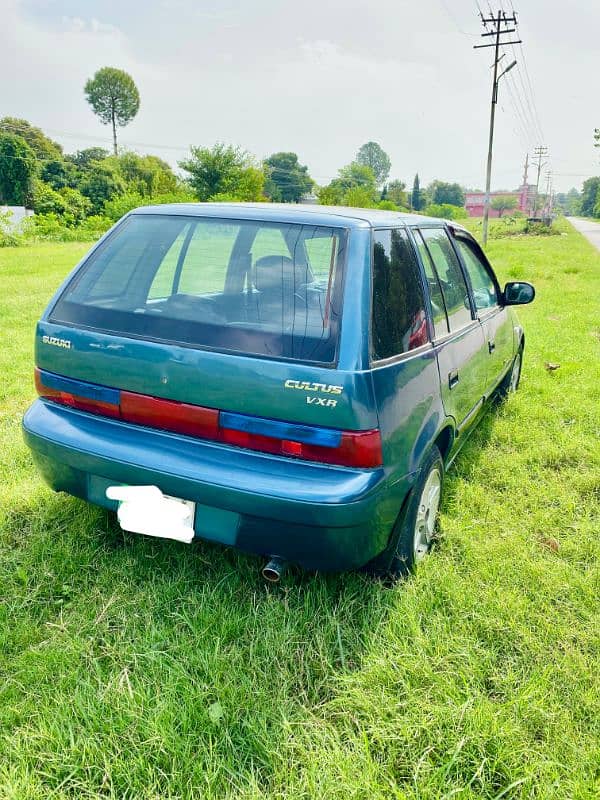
318	78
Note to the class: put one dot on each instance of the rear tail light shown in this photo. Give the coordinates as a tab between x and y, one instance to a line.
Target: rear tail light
169	415
78	394
360	449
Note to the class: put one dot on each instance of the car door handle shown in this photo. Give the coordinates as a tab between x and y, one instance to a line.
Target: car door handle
491	346
452	378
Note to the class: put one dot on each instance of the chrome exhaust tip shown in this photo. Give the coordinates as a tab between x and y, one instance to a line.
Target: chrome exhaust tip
274	569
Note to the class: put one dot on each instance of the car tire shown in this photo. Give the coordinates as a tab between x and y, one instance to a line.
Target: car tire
510	382
414	531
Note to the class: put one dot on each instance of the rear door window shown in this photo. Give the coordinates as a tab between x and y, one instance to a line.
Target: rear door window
438	307
399	322
451	278
247	286
485	294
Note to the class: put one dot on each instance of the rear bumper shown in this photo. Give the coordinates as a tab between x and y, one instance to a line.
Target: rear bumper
319	516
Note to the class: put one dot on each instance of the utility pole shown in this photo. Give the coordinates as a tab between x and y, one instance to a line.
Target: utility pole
498	28
525	186
540	152
526	170
547	202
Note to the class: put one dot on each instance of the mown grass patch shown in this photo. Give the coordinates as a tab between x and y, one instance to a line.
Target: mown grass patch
132	668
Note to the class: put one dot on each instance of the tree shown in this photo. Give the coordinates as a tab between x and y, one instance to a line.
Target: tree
359	197
352	176
374	156
18	168
83	159
287	179
416	199
144	175
396	192
59	173
445	211
225	171
44	148
503	202
114	98
100	183
568	202
67	204
447	193
589	196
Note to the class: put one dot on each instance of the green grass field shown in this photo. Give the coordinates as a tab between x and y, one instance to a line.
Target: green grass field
134	668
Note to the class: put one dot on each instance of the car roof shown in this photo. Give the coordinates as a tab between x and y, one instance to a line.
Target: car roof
339	216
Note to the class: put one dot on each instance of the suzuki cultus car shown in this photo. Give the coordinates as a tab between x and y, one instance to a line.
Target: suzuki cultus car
289	380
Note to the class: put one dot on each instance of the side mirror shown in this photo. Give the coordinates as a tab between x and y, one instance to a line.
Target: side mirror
518	293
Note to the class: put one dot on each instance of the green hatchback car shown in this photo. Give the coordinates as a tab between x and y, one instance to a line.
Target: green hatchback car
289	380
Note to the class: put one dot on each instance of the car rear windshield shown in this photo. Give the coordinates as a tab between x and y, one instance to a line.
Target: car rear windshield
248	286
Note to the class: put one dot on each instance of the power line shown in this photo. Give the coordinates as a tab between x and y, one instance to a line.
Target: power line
451	15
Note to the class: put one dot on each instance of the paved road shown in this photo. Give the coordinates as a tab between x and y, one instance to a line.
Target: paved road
590	229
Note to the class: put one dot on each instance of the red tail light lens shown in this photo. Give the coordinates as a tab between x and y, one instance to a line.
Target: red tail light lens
169	415
82	403
360	449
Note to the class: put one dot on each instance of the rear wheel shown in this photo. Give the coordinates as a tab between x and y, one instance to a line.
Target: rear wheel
414	531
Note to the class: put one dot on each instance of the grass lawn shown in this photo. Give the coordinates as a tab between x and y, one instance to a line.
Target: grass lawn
134	668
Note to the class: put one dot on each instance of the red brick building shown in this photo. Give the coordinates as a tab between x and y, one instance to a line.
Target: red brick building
474	201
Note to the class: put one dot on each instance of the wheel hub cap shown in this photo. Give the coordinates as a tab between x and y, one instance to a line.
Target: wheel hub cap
429	504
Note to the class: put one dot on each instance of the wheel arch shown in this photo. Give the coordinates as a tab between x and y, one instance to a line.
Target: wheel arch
444	441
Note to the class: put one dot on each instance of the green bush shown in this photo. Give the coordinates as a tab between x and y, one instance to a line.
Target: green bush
387	205
445	211
51	227
540	229
114	209
69	205
9	237
359	197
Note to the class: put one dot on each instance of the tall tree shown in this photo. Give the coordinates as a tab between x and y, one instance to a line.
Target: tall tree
372	155
416	199
224	171
287	179
18	169
44	148
114	98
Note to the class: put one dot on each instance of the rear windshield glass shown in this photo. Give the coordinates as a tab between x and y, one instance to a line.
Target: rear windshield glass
264	288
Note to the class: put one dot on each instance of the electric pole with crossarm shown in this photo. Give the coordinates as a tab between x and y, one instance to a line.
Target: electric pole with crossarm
540	152
498	27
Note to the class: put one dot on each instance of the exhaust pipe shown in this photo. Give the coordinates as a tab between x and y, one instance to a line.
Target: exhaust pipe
274	569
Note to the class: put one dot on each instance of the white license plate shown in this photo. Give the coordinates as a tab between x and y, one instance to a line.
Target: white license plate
146	510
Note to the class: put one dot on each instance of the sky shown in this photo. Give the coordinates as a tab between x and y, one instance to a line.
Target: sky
318	77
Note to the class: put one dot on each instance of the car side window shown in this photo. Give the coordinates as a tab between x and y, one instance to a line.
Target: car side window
485	294
438	307
452	280
399	323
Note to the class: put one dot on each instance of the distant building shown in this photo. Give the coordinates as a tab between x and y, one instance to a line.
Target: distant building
474	201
